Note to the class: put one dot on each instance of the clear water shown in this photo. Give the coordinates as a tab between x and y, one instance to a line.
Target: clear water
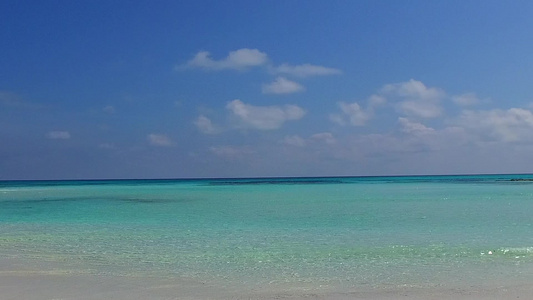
335	232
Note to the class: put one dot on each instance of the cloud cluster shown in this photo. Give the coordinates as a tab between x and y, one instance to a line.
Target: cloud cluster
484	131
245	58
416	102
421	123
410	99
415	99
512	125
352	113
248	116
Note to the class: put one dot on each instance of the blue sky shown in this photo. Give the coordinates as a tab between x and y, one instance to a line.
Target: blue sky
178	89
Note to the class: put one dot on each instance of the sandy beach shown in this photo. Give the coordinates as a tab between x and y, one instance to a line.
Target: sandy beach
34	285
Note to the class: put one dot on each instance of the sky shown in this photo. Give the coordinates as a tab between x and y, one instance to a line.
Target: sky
192	89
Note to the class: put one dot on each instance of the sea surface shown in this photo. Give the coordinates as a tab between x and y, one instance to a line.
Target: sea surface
339	233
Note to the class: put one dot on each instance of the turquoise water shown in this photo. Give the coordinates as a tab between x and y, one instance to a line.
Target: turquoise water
337	232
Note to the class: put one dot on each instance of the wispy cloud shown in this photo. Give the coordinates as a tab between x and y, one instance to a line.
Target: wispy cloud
9	99
109	109
241	59
263	117
294	140
467	99
231	151
58	135
159	140
305	70
282	86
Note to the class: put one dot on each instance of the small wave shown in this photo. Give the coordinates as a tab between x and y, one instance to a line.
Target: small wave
517	250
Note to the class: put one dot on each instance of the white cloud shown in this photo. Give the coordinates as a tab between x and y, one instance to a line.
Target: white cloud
356	115
236	60
414	127
412	98
306	70
325	137
415	99
466	99
159	140
264	117
322	137
282	86
294	140
246	58
58	135
376	101
424	109
412	89
205	125
512	125
337	119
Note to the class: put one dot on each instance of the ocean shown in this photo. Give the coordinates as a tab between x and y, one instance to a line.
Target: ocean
334	233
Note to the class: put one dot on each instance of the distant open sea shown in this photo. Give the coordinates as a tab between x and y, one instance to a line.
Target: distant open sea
341	233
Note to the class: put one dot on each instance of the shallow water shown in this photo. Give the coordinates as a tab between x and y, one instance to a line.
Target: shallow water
341	233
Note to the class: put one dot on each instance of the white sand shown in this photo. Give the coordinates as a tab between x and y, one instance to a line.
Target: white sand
47	285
